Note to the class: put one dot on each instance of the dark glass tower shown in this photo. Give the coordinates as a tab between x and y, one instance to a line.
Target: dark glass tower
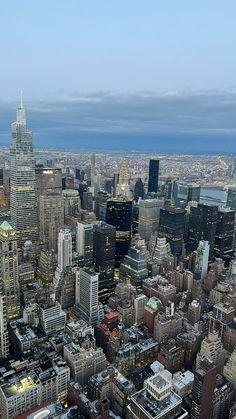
138	190
153	175
171	226
104	245
202	226
119	214
224	239
22	180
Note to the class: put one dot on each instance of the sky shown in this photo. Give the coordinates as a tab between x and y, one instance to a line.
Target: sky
160	68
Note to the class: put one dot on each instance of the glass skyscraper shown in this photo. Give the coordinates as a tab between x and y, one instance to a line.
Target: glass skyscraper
153	175
22	180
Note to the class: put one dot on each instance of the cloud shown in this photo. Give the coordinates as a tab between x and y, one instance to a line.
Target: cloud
209	112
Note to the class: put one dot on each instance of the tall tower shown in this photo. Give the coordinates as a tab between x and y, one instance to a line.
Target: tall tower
123	185
202	256
64	249
87	296
22	180
153	176
9	270
203	390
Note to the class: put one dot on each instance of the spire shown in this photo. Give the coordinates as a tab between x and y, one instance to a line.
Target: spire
21	100
20	113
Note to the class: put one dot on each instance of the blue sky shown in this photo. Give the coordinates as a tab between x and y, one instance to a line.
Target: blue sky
97	65
118	45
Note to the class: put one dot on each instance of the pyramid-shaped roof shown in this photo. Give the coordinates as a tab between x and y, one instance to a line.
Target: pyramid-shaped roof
6	226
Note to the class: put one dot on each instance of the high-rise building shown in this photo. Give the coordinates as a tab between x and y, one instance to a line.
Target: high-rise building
224	238
87	296
134	265
22	180
104	258
203	390
9	275
171	226
188	192
123	185
92	173
230	370
51	219
153	176
212	348
157	399
149	213
84	241
231	198
201	262
48	180
138	190
202	226
64	249
4	334
71	201
119	214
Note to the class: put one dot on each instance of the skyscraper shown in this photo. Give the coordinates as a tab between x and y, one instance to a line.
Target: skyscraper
224	238
22	180
84	241
153	176
123	185
87	296
203	390
149	213
171	226
51	218
104	258
119	214
64	249
202	256
4	336
138	190
9	269
202	226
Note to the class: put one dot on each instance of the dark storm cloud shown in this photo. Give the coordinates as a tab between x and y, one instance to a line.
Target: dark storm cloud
206	112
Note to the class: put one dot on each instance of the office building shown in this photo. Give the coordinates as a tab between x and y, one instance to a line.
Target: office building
156	400
140	303
212	348
153	176
171	226
9	275
224	238
231	198
72	202
138	190
65	289
84	241
83	362
87	296
47	264
64	249
119	214
202	226
48	180
4	334
230	370
51	219
201	261
134	265
51	317
104	258
122	189
203	390
149	213
28	389
22	184
187	192
111	384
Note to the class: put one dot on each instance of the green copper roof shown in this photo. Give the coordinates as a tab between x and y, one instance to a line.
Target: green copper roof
6	226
